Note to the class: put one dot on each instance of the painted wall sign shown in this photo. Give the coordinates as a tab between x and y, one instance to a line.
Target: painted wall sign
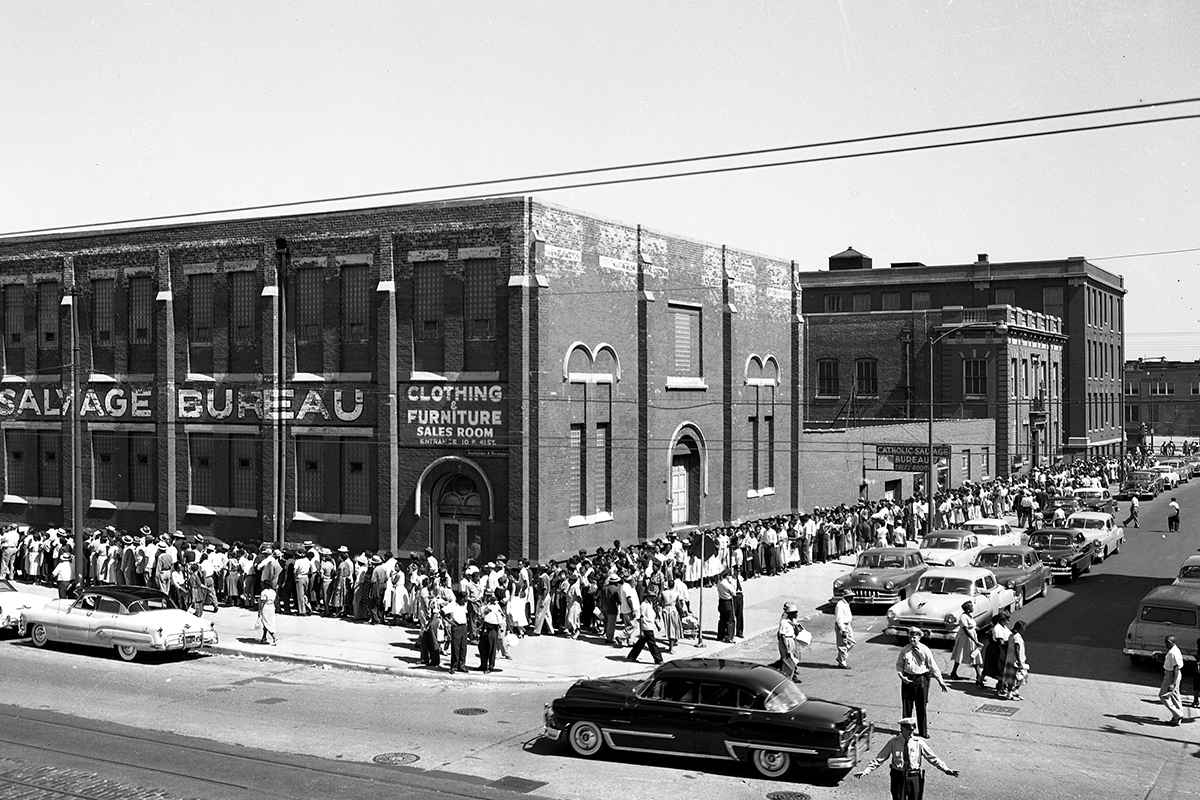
313	406
45	402
453	415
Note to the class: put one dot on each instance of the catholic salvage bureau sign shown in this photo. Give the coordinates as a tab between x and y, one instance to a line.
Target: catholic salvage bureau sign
907	457
453	415
118	402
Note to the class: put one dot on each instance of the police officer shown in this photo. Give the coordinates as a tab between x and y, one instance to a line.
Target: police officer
916	666
904	753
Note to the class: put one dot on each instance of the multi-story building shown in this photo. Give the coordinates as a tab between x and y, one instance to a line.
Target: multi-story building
1162	400
1088	300
397	378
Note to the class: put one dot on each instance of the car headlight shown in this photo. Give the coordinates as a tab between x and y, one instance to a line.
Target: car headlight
950	619
839	583
891	613
1062	562
949	562
1011	584
889	586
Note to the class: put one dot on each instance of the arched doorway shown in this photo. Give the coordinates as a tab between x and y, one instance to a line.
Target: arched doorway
457	512
685	481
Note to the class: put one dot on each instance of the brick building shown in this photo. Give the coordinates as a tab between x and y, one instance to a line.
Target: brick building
1162	400
399	377
1088	300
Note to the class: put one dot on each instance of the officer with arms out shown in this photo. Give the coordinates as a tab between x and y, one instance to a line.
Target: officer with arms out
904	753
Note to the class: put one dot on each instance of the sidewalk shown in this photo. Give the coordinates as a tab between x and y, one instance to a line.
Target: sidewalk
329	643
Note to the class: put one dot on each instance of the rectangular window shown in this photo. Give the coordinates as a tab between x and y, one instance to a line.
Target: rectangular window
243	472
200	297
356	482
966	464
479	278
14	314
19	452
104	467
310	296
49	295
141	309
685	322
833	303
577	471
1004	297
428	298
1052	301
1162	387
310	474
920	300
1025	377
243	305
975	377
1152	414
142	474
1132	413
1131	388
985	461
770	422
866	377
203	485
103	311
891	301
49	475
356	302
1196	388
861	302
754	457
827	377
604	466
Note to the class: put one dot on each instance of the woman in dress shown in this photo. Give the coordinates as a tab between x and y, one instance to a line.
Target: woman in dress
669	616
967	649
518	610
789	648
1016	668
574	603
997	651
266	613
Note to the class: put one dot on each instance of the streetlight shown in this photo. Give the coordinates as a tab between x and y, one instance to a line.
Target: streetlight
1000	329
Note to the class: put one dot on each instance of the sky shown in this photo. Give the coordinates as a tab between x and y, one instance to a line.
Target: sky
118	110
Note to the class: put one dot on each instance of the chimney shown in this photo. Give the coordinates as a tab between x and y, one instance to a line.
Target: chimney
981	258
849	259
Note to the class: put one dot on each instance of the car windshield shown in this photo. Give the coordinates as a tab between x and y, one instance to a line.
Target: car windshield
942	543
1145	476
1047	542
784	697
986	530
940	585
880	561
1088	522
1010	560
150	604
1085	494
1190	573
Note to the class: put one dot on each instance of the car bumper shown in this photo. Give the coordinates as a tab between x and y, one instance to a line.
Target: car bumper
187	643
861	746
932	630
1148	652
1062	572
867	597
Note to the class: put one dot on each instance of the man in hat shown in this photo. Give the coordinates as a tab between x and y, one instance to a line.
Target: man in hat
843	628
904	753
916	666
787	638
64	574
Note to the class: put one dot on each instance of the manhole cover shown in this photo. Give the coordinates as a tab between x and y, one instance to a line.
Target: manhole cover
999	711
787	796
514	784
396	759
470	712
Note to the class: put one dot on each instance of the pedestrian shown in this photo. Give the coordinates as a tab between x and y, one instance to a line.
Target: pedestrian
1173	515
610	605
1133	512
904	754
787	636
1168	693
1016	667
997	650
916	666
489	632
646	621
266	613
455	613
843	628
967	649
726	588
64	574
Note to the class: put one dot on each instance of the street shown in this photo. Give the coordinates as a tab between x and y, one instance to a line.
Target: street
227	727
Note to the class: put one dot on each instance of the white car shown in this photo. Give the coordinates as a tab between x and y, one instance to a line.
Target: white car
993	532
937	603
950	548
13	601
1169	475
1100	528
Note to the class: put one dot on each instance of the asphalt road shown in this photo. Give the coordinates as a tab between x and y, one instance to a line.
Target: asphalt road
220	727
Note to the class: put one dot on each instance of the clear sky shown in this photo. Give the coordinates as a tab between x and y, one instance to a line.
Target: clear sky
127	109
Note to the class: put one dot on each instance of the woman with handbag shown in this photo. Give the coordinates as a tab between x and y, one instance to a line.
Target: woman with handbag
967	649
1016	667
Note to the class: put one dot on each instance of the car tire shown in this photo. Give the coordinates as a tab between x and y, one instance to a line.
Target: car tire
39	636
585	739
1105	556
771	764
127	652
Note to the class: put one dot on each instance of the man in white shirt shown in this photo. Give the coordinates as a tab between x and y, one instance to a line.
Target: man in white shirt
904	754
1168	693
916	665
843	628
8	550
647	617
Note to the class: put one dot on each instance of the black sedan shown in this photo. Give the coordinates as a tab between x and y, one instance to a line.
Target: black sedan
711	708
1067	552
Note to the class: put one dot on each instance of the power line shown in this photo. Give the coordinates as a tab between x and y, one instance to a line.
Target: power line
686	160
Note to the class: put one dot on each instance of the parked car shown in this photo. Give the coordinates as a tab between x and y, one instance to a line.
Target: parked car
950	548
1165	611
1066	502
1189	572
882	575
1066	551
1101	529
992	532
1144	483
711	708
131	619
1170	477
13	601
1180	467
1095	499
1193	464
937	604
1019	568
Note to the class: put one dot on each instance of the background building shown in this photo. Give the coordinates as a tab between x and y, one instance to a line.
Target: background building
1087	299
400	377
1162	401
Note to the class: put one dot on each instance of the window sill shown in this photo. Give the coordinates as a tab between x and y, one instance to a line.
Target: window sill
579	520
687	384
120	505
219	511
764	492
827	397
347	519
32	501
